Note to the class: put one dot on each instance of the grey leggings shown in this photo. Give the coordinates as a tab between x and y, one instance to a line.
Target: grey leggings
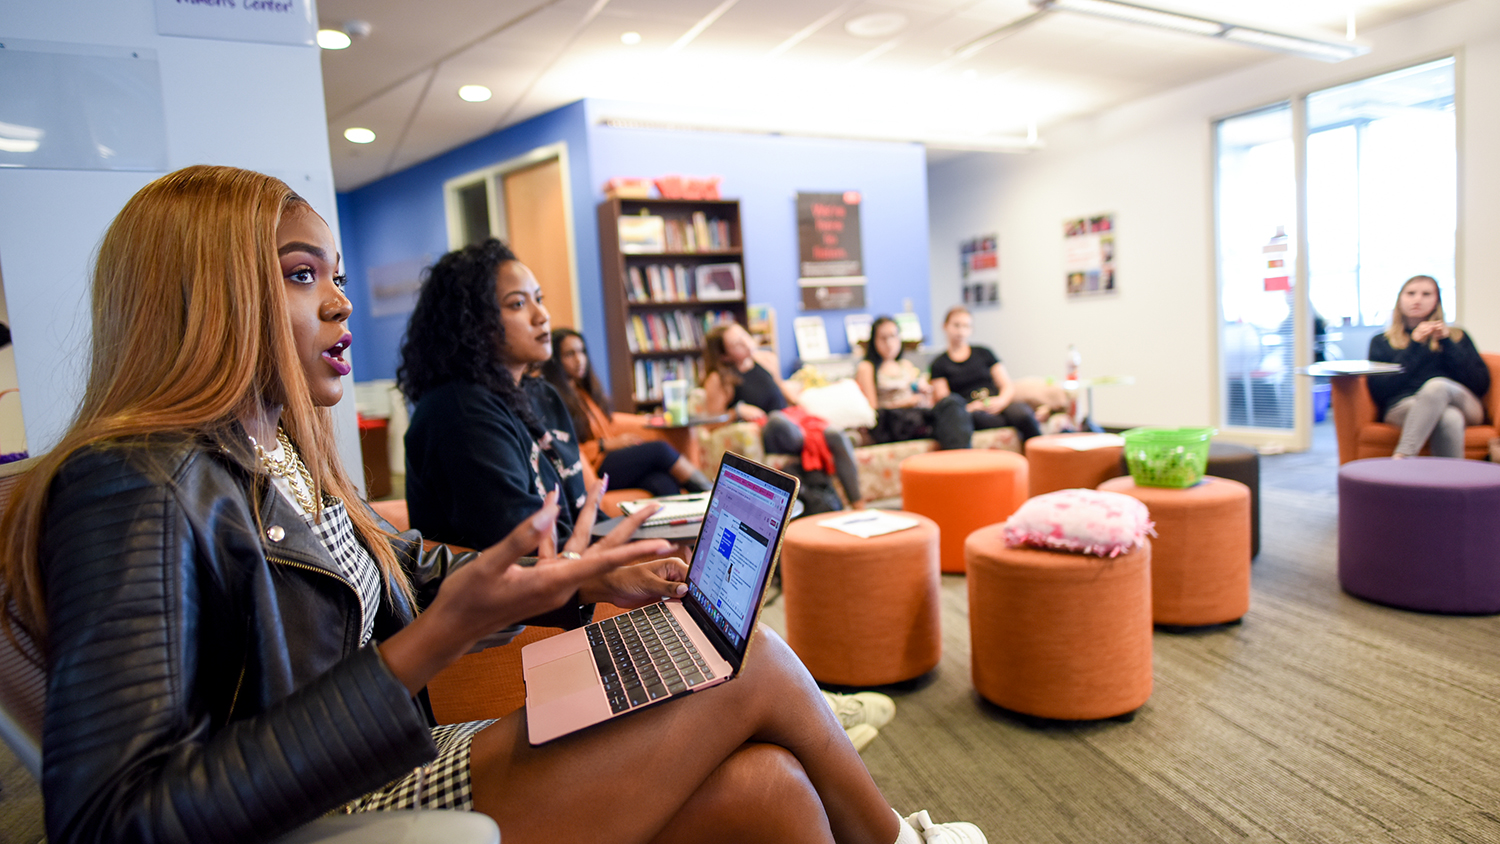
1439	410
783	436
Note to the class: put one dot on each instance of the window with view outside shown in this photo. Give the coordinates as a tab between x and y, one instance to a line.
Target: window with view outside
1381	192
1257	216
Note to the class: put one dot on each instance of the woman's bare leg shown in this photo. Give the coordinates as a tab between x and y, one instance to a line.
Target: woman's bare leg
730	803
625	780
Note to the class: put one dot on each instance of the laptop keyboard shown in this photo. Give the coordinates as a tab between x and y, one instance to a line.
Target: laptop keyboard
644	656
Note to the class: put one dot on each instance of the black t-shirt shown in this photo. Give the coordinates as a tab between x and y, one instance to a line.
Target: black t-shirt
474	471
758	387
970	379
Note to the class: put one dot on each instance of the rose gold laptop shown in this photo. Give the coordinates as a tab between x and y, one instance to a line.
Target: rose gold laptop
676	647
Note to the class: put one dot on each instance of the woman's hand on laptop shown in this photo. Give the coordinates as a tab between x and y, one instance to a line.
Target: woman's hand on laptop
634	586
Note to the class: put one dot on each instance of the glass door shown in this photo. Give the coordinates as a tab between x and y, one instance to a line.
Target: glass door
1382	199
1256	215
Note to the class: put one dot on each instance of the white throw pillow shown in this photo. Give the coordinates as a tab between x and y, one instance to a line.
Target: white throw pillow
1087	521
841	403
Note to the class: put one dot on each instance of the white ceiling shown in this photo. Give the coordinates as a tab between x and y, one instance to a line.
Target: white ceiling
765	65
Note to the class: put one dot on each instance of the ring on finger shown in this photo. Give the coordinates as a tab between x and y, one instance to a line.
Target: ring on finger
570	555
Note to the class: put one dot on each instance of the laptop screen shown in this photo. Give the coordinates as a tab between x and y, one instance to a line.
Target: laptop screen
736	548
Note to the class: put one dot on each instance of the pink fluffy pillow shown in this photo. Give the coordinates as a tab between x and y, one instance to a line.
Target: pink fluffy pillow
1087	521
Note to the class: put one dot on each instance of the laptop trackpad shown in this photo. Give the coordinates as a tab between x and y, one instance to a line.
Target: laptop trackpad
561	677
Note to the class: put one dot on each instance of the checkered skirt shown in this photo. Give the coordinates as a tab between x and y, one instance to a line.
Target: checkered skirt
442	783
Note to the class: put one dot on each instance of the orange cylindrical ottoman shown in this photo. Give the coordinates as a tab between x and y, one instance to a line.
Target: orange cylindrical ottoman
1059	635
862	612
963	490
1200	560
1053	465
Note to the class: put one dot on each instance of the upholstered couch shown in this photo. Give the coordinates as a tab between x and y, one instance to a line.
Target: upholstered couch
879	464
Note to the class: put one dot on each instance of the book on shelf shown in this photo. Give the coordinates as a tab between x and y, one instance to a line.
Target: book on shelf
719	282
635	286
698	233
659	283
650	374
671	331
643	233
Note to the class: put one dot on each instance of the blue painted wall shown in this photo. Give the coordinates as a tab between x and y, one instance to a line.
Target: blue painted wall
401	218
765	172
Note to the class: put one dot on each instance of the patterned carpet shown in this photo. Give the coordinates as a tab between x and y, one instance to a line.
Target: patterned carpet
1320	719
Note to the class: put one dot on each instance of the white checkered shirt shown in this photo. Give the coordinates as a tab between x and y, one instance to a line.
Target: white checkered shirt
336	533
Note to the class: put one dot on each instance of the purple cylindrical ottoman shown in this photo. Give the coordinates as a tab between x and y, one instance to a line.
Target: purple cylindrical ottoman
1421	533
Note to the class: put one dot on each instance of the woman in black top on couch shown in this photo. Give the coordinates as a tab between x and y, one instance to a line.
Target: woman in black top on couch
739	379
976	374
1436	393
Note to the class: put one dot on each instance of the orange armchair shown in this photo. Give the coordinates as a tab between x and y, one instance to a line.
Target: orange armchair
1361	436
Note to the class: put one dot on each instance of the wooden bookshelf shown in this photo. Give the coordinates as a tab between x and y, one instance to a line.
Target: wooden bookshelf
655	318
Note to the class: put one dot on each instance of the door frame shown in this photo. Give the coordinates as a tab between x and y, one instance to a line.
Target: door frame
493	179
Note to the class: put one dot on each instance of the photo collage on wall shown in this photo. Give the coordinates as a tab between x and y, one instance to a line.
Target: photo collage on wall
1089	255
979	271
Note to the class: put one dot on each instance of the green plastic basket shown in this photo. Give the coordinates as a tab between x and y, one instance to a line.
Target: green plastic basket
1169	457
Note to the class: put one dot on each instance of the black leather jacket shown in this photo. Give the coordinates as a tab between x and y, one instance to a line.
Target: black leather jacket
205	679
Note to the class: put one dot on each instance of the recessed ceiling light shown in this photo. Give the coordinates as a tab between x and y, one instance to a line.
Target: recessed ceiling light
333	39
630	39
876	24
358	135
473	93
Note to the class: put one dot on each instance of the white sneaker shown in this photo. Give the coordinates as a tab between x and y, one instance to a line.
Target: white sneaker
860	735
871	708
957	832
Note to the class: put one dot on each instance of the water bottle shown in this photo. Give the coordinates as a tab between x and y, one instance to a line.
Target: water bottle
1074	359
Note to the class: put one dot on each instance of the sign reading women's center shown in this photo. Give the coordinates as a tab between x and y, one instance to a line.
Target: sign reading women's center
266	21
831	268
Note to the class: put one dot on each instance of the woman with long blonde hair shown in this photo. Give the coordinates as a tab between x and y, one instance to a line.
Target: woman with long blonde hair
1442	376
232	639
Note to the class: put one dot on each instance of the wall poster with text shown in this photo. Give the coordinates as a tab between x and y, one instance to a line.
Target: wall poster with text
1089	255
830	267
979	271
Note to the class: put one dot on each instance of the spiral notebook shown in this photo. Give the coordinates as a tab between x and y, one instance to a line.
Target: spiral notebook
675	509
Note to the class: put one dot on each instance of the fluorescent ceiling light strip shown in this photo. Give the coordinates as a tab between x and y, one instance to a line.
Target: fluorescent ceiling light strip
975	143
811	29
1328	52
1131	13
1309	47
708	20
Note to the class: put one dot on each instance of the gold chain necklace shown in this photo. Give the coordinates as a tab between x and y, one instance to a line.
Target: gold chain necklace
291	468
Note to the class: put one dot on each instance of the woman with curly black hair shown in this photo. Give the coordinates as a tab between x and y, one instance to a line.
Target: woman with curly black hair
487	441
628	459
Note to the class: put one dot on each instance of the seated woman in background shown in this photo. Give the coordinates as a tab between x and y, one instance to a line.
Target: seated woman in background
976	375
487	440
628	459
1436	393
902	396
742	381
